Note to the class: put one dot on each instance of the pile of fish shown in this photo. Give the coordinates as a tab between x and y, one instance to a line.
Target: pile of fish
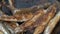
37	19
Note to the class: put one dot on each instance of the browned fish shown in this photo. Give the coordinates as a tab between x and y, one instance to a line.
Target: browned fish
52	23
20	14
39	13
42	22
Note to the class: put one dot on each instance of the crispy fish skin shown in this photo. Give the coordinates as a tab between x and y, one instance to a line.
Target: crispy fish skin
44	20
52	23
18	17
20	14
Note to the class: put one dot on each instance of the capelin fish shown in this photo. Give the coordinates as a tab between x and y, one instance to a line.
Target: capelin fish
25	25
52	23
43	21
20	15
